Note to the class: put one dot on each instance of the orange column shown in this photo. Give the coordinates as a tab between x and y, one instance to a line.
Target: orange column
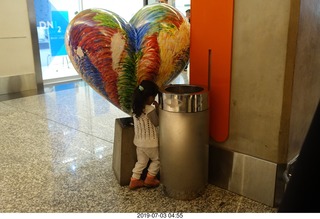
210	58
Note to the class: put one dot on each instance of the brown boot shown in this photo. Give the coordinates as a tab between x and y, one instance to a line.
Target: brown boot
151	181
135	183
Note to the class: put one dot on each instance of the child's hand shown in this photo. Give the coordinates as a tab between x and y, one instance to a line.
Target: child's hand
156	104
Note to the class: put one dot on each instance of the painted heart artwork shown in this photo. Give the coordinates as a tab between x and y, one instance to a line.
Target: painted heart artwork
113	56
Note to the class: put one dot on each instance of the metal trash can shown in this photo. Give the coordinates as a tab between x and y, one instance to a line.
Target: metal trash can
184	140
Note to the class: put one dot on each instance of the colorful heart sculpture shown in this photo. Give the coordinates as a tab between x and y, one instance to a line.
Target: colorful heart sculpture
114	56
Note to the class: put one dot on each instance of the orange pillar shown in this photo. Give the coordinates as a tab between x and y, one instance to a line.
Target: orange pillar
210	58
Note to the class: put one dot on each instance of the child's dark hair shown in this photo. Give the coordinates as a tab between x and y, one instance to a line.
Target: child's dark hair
141	94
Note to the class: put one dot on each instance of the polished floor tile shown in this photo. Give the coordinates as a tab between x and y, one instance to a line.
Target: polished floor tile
56	156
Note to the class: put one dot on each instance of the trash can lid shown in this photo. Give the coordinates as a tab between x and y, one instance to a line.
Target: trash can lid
183	98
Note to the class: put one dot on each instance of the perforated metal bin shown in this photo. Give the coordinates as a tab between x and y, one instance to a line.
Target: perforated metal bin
184	139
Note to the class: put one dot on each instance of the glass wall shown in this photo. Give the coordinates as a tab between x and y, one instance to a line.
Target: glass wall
181	5
53	16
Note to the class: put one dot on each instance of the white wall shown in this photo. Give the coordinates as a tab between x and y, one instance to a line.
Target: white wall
17	70
16	56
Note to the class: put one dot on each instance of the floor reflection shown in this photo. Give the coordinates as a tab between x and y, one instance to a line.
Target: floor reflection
56	156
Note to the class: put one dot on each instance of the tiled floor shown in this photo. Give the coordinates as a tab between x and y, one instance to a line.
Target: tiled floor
56	156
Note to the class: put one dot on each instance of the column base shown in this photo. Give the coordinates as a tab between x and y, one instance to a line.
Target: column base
254	178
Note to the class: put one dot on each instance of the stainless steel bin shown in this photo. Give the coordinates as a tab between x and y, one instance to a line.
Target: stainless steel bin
184	139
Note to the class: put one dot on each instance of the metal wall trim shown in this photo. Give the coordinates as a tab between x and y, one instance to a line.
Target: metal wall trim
254	178
17	83
35	46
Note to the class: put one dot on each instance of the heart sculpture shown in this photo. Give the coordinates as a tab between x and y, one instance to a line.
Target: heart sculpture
114	56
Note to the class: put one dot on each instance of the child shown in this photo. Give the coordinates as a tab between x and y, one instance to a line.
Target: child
145	119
